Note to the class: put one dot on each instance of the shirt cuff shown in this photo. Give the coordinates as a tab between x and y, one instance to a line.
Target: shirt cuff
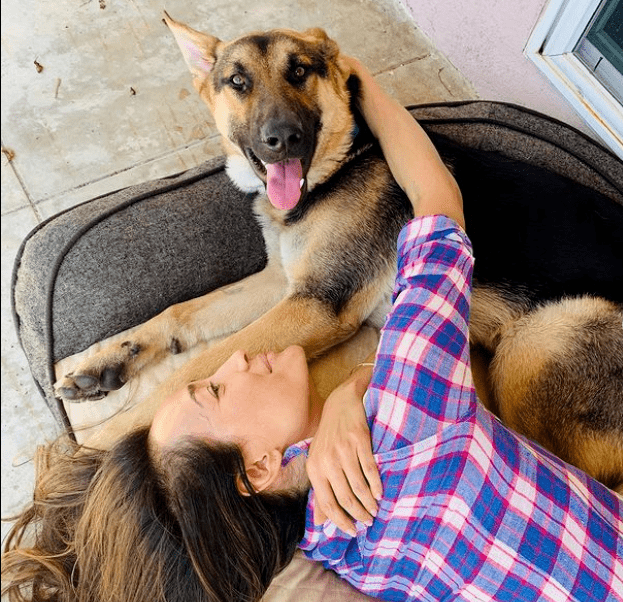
430	227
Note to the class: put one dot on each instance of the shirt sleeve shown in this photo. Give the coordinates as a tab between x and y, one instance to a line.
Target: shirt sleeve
422	378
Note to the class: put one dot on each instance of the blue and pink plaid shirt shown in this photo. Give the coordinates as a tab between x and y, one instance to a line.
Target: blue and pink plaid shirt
470	510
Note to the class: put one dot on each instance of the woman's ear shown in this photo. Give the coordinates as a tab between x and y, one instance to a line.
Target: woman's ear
262	473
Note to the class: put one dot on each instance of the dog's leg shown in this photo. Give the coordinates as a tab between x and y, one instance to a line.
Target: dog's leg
293	321
176	329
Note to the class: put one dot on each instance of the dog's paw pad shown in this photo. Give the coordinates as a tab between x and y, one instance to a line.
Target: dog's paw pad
76	395
85	381
77	387
111	379
107	371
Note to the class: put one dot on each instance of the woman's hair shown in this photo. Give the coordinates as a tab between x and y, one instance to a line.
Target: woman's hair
112	526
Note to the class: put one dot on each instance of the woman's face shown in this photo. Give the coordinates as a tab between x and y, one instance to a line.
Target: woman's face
266	397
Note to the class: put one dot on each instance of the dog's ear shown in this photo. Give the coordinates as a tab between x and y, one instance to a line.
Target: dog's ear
198	49
319	36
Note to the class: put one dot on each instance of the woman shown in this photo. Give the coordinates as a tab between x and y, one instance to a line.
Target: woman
213	500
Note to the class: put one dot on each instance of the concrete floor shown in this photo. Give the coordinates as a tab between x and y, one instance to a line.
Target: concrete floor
95	97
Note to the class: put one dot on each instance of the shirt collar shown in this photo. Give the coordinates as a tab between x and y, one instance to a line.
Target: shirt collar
302	447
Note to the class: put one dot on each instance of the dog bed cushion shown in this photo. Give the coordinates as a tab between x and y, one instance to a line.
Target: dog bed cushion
111	263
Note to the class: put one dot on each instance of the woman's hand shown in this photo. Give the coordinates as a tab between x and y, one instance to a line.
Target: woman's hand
340	464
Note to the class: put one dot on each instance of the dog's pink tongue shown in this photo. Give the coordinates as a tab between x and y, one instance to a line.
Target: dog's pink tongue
283	183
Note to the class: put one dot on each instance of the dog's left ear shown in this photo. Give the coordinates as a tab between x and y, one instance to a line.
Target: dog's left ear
319	36
198	49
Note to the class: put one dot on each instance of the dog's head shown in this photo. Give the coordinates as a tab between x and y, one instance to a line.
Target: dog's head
281	101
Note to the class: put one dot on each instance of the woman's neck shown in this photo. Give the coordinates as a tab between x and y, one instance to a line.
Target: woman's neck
293	476
326	373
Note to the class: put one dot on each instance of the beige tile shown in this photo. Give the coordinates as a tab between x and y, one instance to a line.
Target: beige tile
426	80
13	195
26	421
15	227
108	95
161	167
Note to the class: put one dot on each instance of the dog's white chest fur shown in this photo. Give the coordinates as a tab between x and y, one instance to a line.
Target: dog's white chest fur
284	244
291	245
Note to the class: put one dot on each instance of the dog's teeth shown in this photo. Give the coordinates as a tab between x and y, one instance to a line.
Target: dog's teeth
302	183
263	163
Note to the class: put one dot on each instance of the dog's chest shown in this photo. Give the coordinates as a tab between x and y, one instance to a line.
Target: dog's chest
285	243
293	243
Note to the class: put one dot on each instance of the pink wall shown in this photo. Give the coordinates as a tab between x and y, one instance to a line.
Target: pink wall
485	39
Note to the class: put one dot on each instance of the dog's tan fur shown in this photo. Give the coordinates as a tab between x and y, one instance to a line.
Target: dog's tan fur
544	380
285	303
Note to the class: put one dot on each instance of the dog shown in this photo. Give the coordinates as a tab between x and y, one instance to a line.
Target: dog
547	308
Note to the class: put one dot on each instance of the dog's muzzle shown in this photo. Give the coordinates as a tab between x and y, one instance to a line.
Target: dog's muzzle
282	153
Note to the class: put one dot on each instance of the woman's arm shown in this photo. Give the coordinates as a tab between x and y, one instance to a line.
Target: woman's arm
340	464
409	152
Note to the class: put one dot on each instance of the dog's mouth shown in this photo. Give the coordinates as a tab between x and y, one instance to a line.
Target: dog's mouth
285	180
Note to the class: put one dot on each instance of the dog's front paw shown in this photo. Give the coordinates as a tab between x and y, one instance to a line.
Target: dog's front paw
96	376
78	387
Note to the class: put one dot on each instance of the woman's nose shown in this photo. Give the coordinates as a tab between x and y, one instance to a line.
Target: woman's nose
241	359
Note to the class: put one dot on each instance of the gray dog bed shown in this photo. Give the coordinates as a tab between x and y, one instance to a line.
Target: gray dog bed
113	262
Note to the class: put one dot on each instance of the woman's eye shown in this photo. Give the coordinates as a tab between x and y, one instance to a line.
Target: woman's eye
214	389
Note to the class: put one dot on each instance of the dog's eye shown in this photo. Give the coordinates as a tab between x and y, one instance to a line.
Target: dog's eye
300	72
237	81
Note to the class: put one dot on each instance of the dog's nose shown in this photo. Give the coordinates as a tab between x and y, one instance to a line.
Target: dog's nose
282	138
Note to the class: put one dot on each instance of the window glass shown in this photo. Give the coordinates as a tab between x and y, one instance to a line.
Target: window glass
601	46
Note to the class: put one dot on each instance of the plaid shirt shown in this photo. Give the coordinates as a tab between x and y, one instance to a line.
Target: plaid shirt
470	510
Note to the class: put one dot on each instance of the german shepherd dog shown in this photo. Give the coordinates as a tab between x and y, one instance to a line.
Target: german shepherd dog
548	283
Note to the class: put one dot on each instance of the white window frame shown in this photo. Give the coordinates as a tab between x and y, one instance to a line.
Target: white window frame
550	47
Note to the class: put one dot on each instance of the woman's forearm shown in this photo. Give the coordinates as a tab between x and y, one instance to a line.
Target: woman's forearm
340	464
410	154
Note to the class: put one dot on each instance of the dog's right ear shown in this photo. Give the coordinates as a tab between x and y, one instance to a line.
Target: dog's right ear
198	49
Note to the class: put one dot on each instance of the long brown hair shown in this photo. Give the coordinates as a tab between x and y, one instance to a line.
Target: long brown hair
110	526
